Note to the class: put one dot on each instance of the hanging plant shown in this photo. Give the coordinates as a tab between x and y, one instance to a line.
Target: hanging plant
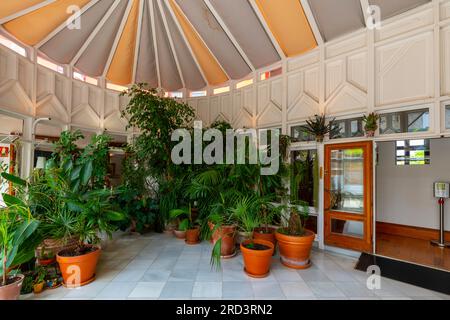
319	128
371	123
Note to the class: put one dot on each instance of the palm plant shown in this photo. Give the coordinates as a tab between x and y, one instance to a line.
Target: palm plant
184	218
319	127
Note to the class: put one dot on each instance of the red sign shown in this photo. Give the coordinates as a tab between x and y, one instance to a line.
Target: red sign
4	152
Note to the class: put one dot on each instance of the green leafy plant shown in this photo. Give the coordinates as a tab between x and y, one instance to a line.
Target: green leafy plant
16	227
296	223
184	218
319	128
371	122
40	275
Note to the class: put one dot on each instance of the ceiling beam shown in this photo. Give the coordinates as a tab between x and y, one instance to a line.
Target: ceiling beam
138	39
65	23
180	29
172	47
312	22
26	11
364	6
266	27
229	34
155	43
117	39
94	32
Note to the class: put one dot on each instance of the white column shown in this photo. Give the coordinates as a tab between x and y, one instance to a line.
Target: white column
26	165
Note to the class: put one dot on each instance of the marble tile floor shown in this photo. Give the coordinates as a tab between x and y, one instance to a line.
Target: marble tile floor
159	266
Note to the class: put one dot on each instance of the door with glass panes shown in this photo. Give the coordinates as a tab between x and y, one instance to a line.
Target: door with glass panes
348	196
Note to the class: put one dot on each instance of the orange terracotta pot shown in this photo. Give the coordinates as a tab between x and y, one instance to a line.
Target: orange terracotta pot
228	236
179	234
257	262
193	236
295	251
80	270
12	290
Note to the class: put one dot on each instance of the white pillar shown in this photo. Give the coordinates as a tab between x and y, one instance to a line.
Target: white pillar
26	165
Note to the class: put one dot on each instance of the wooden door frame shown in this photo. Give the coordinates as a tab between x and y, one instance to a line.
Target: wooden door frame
343	241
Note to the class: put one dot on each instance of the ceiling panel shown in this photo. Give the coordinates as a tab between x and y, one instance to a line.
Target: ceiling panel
390	8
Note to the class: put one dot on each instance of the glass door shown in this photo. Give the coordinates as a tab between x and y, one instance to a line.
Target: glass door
348	196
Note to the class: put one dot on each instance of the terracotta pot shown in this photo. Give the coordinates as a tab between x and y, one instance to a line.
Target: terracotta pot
84	264
242	236
55	245
179	234
193	236
257	262
12	290
295	250
370	134
228	236
38	288
46	262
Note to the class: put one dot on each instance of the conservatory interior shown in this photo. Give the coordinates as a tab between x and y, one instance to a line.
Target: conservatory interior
353	94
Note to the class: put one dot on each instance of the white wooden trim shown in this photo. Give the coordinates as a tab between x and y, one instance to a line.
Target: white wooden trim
312	22
64	24
180	29
266	27
25	11
155	43
94	32
138	40
229	34
172	47
117	39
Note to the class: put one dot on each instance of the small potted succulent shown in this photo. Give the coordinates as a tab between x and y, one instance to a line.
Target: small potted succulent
319	128
295	241
371	124
186	224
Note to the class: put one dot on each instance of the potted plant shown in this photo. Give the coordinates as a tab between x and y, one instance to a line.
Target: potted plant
265	230
16	226
295	241
186	223
371	123
45	258
39	280
95	214
257	253
319	128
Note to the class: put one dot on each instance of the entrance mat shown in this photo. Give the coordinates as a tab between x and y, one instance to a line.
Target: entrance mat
421	276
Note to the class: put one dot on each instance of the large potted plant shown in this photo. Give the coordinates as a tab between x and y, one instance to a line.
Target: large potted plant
371	123
257	253
294	240
319	128
16	227
95	215
186	223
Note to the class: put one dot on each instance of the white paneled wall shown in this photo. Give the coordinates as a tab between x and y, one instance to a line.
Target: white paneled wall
405	63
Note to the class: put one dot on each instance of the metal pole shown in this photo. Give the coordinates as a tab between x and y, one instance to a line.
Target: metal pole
441	242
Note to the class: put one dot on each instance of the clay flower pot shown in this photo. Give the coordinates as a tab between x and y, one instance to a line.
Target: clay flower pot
295	250
370	133
228	235
193	236
257	262
12	290
79	270
179	234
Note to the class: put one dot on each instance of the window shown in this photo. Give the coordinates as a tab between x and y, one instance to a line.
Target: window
271	74
196	94
50	65
349	128
82	77
304	177
244	83
412	152
406	121
221	90
174	94
13	46
447	117
298	134
115	87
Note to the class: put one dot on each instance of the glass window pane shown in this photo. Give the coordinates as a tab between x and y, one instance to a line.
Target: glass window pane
305	177
347	180
347	228
413	152
406	121
349	128
447	117
299	134
418	121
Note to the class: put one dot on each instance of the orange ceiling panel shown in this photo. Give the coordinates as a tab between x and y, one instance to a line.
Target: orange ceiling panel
9	7
289	25
211	68
121	68
35	26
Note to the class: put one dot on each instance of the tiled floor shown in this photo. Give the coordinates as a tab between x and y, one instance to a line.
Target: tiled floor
158	266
